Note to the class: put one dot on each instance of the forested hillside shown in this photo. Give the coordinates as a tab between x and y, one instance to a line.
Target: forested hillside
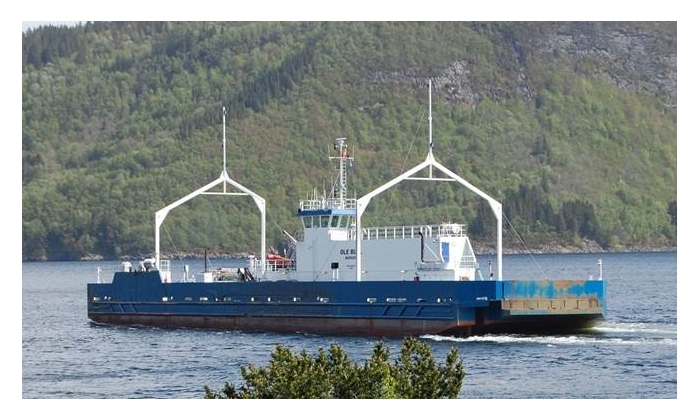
572	126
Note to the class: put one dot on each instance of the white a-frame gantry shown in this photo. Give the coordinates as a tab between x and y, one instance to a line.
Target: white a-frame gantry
223	179
431	164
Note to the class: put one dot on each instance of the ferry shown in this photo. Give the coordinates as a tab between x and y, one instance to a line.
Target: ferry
344	278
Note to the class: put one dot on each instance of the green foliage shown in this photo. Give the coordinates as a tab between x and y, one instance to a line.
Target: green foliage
414	374
534	213
120	119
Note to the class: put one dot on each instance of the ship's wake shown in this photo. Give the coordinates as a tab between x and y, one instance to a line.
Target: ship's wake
614	333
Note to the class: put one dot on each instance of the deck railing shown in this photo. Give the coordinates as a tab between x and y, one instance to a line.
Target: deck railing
328	203
414	231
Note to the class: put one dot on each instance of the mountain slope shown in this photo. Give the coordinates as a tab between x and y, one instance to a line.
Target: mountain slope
571	125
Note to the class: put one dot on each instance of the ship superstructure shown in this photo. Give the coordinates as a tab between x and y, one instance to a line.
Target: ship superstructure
328	250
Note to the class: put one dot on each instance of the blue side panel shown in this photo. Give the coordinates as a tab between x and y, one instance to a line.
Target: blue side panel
147	287
446	251
553	289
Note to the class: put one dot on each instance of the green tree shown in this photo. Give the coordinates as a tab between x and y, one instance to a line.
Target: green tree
415	374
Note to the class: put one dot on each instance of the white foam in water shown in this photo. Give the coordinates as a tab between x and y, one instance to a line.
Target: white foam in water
505	339
567	340
637	327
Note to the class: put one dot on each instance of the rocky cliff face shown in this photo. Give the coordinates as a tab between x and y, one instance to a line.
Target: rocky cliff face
633	56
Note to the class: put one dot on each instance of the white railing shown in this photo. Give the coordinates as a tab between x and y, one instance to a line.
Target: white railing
328	203
414	231
279	265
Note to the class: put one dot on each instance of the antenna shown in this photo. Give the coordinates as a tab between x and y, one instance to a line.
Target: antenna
341	186
223	141
430	125
430	116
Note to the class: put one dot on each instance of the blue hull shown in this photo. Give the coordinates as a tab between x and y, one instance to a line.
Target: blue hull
368	308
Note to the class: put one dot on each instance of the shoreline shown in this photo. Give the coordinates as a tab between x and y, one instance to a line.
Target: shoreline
479	251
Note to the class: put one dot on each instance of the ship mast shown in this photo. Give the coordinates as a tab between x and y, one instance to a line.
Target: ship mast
340	187
223	144
429	163
224	179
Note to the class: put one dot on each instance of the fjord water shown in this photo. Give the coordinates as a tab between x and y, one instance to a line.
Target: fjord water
631	355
